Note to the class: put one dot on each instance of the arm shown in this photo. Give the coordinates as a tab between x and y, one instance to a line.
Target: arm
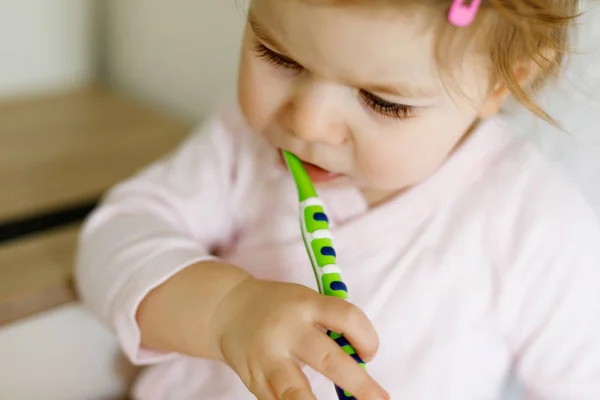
145	267
153	226
197	293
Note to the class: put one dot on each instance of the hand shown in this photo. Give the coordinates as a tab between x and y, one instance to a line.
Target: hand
268	330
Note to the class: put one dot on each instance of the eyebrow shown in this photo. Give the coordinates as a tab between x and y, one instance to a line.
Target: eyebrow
395	89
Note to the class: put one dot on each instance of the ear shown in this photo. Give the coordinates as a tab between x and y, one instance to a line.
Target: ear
494	101
524	76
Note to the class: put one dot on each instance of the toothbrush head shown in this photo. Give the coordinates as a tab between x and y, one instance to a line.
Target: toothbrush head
304	184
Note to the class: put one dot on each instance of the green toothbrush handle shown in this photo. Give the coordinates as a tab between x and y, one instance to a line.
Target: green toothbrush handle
319	246
317	238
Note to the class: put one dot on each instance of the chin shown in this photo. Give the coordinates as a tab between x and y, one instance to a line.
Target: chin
382	187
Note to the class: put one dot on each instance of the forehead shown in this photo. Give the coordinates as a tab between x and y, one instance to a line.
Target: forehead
354	43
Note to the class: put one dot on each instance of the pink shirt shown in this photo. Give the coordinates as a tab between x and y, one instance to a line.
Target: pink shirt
491	265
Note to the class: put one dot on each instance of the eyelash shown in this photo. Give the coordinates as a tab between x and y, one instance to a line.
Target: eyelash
375	103
275	59
386	108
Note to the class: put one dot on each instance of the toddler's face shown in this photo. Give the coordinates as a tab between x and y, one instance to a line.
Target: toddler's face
355	91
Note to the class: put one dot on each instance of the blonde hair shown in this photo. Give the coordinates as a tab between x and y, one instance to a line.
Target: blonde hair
526	42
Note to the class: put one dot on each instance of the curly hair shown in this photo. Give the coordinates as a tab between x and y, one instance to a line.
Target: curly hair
520	35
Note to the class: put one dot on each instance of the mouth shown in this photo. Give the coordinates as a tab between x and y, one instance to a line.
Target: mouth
315	173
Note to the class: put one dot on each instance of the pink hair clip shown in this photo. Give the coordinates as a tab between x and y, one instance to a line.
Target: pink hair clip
463	14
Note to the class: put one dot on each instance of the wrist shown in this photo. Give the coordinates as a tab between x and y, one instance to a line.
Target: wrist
176	316
228	311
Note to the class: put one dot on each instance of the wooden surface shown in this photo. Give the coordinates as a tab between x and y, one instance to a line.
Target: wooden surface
36	273
68	148
56	152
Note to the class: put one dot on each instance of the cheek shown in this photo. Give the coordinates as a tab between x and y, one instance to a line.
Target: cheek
393	170
250	98
406	156
384	164
259	94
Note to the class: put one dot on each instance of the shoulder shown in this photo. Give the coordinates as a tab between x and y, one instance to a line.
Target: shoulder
225	126
257	171
530	205
224	136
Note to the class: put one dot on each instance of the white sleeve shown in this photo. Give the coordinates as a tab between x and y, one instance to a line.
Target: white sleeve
169	216
551	301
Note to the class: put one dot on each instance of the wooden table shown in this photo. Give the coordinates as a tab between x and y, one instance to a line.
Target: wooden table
59	152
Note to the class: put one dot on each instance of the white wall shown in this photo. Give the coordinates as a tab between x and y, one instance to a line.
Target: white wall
179	54
61	354
45	45
574	101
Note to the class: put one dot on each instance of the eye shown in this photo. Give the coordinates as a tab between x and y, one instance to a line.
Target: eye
276	59
386	108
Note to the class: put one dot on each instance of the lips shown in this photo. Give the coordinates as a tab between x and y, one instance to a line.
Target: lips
315	173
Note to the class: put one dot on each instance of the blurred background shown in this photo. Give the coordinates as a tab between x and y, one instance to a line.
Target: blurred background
90	91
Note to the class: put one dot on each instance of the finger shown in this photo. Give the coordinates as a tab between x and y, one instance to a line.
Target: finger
344	318
324	355
260	387
288	382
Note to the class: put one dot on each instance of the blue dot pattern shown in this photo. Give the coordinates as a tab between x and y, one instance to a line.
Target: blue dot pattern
319	216
328	251
342	341
337	285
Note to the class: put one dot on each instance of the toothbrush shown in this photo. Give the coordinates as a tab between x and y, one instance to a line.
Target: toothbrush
319	246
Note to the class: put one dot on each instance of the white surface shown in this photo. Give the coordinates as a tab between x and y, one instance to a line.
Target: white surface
45	45
61	355
575	102
179	54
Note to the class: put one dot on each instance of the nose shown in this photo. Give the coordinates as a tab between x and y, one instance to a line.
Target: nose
315	114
